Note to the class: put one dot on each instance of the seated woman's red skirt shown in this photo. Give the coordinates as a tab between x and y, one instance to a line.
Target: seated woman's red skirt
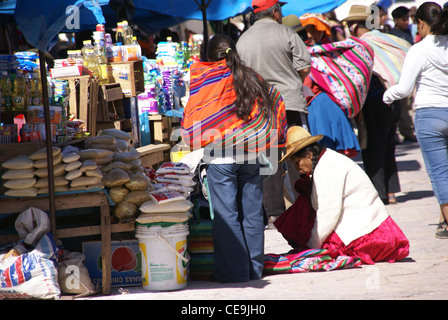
385	243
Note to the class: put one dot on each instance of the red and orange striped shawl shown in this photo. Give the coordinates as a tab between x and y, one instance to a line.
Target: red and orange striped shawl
210	118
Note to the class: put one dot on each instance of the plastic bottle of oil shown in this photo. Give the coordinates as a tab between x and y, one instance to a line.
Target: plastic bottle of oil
87	44
91	63
20	95
35	92
6	87
101	58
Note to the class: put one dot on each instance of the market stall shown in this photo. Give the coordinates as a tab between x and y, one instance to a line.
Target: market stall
72	147
96	130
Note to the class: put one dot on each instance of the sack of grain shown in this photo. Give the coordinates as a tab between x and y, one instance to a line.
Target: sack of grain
39	164
73	166
116	177
30	192
41	154
20	184
117	194
18	174
18	163
58	170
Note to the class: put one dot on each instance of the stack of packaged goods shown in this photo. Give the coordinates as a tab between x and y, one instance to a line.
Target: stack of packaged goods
169	203
82	170
21	89
34	128
19	177
41	171
127	184
73	170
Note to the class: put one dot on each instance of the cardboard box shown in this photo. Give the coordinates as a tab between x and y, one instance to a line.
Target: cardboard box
36	114
129	74
39	127
126	262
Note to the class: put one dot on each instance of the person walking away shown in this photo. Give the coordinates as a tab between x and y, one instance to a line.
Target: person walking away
325	115
279	55
426	69
402	30
234	115
338	207
380	119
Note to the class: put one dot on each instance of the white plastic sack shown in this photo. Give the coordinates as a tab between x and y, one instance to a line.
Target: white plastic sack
73	275
31	225
32	274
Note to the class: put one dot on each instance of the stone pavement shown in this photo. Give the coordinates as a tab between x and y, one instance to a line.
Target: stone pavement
423	275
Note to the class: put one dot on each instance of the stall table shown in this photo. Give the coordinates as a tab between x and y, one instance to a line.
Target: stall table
74	201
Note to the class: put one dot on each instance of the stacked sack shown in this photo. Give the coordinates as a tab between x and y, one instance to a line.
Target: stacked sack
19	177
168	201
128	185
175	176
82	169
41	170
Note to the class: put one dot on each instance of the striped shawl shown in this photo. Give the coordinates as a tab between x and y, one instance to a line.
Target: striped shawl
210	115
390	52
343	70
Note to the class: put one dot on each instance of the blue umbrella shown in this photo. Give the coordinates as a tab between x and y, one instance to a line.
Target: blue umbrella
41	24
299	7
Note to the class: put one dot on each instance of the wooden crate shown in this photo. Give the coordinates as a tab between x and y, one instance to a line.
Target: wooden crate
129	74
153	154
83	100
110	102
160	127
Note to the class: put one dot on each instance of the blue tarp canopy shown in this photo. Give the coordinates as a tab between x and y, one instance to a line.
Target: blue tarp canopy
189	9
299	7
41	21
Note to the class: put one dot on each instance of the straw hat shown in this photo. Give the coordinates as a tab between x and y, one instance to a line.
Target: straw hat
358	13
293	22
298	138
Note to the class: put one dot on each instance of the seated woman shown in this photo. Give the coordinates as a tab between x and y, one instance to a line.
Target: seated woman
338	207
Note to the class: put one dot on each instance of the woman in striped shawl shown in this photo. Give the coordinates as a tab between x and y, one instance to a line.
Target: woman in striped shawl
235	116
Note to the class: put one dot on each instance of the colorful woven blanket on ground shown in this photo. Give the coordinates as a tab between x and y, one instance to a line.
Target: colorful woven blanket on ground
390	52
210	117
308	260
343	70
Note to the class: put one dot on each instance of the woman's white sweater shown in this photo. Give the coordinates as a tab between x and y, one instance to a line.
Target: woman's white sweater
345	200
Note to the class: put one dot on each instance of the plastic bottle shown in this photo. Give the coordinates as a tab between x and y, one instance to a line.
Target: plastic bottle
128	33
69	61
101	58
87	44
119	36
6	87
91	63
19	102
35	92
77	56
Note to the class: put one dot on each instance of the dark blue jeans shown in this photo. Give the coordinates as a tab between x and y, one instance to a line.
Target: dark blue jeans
236	192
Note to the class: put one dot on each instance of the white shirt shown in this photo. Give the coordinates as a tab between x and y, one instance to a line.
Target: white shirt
345	200
426	68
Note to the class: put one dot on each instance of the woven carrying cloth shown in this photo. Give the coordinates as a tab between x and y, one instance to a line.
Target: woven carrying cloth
343	70
210	117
